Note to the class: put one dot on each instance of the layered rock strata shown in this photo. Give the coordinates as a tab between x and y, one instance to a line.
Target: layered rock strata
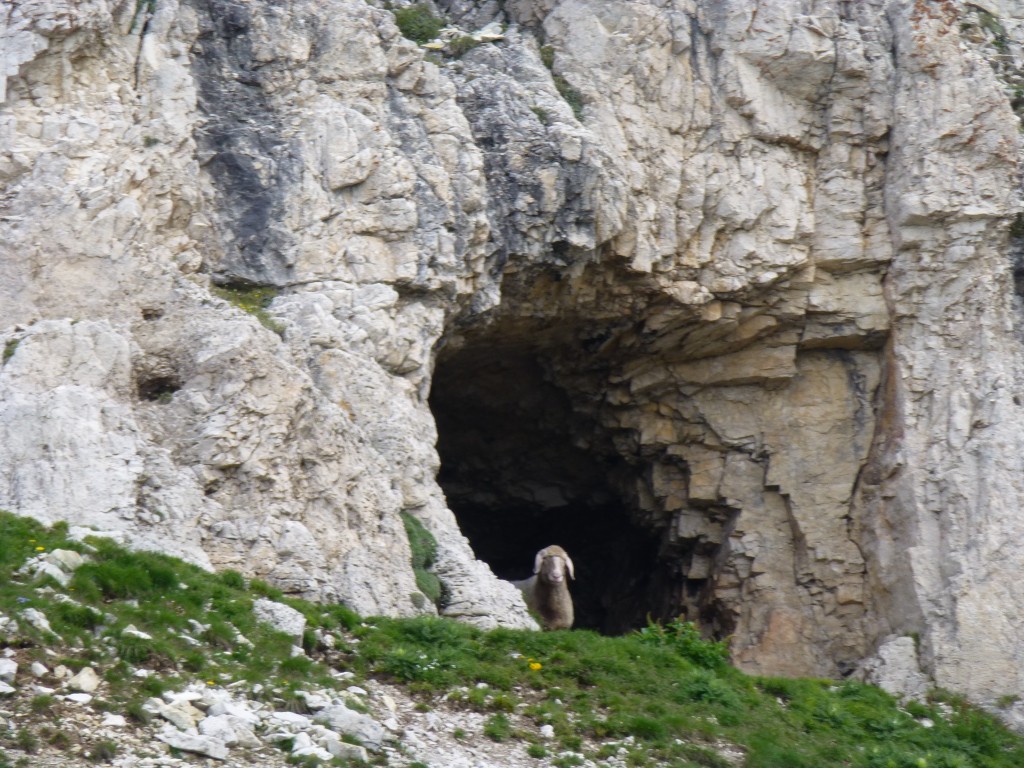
728	280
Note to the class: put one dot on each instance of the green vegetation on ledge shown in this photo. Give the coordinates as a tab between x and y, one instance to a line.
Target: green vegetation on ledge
253	299
418	23
658	697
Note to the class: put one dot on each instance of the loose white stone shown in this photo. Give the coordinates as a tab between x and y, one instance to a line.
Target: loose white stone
86	681
344	720
203	745
37	619
281	617
8	669
66	559
132	631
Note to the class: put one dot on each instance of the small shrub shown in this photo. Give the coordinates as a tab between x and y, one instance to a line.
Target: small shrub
417	23
260	588
537	751
134	710
704	687
423	547
232	579
42	704
133	650
56	738
220	634
497	727
296	666
571	95
252	299
67	616
462	45
26	741
103	752
547	55
684	638
10	347
153	685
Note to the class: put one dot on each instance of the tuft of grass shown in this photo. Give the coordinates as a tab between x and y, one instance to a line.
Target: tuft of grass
461	45
253	299
685	639
42	704
497	727
571	95
103	752
537	751
10	347
418	23
424	552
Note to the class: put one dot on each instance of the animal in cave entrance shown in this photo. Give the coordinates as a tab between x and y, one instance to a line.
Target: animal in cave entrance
547	591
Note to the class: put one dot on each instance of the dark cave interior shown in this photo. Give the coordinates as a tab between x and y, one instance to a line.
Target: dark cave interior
523	466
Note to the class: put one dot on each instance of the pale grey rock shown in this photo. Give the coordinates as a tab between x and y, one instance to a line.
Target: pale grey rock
79	698
86	681
341	749
111	720
291	720
8	670
6	689
68	560
203	745
281	617
37	619
181	715
37	669
132	631
347	721
315	700
895	668
220	727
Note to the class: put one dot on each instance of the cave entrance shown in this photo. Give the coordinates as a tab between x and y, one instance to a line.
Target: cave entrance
523	466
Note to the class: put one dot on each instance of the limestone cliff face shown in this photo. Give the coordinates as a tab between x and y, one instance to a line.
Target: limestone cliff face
717	295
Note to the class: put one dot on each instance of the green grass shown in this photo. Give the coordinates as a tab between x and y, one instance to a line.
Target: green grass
252	299
673	695
418	23
10	347
424	551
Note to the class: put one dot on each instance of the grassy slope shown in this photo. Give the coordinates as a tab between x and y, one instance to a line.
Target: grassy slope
675	695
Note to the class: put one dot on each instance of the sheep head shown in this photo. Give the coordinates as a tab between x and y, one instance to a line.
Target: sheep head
551	563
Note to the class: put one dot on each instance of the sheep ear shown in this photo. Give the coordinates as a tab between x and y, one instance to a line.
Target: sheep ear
537	561
568	564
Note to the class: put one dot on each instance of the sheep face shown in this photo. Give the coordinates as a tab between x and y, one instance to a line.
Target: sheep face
551	565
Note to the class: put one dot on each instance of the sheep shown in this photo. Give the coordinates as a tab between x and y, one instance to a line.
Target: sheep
547	591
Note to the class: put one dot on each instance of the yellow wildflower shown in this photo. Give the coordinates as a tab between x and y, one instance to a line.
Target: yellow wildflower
535	665
40	549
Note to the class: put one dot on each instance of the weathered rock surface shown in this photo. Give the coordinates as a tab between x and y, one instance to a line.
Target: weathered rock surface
718	294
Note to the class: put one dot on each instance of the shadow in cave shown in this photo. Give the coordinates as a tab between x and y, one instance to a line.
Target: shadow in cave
522	468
